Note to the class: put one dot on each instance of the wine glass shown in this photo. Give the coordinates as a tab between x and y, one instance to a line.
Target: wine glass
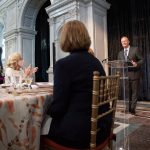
28	81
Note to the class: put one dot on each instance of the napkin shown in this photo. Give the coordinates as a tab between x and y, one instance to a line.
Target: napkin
34	86
44	84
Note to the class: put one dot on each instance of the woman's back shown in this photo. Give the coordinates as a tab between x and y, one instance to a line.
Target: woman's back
71	109
71	106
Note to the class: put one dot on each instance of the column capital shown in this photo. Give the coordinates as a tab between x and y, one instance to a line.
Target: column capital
51	20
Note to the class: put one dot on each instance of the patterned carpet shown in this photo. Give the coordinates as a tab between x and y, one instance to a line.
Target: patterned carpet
145	114
133	131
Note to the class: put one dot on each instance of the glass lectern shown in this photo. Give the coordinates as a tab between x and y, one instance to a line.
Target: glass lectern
120	67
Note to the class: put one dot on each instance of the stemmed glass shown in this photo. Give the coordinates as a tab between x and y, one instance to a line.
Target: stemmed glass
28	81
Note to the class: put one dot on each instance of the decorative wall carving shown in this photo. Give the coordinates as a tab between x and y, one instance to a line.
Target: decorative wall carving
19	4
73	12
51	21
3	16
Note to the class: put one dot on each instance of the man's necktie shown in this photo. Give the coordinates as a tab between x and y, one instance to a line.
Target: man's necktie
126	54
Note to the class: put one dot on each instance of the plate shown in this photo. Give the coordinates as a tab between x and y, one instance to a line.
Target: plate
5	85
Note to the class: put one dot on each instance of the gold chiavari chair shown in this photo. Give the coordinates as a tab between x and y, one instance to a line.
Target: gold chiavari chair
105	90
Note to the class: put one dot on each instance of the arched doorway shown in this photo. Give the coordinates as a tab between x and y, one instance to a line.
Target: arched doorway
42	52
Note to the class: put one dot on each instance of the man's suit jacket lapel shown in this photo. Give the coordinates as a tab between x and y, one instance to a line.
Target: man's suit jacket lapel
130	55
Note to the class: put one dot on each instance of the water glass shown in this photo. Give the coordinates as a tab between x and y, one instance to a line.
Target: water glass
16	81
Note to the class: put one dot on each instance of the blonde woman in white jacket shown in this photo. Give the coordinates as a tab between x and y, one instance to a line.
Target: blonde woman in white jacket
15	67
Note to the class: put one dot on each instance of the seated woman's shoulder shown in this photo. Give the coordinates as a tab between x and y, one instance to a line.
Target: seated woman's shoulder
63	60
10	71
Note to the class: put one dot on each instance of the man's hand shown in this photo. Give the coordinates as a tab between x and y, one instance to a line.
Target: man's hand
134	63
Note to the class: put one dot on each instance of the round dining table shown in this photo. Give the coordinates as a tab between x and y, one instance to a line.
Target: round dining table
21	115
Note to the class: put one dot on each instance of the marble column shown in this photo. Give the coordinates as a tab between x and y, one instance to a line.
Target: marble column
93	13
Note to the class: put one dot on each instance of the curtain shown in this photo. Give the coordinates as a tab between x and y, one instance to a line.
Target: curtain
131	18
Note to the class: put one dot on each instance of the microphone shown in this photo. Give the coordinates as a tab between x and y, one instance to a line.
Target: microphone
104	60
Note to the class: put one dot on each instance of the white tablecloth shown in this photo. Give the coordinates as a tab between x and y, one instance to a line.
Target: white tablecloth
21	117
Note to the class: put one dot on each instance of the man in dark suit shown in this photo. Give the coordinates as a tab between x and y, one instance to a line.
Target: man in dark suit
133	55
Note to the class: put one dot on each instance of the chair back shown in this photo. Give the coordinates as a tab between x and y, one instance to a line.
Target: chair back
105	90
